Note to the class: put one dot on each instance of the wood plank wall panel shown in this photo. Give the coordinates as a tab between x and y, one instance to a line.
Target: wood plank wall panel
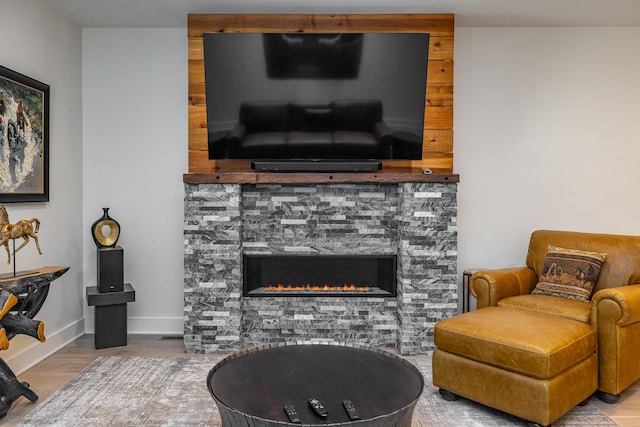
438	132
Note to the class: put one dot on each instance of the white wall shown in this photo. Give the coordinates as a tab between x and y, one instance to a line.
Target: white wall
134	155
547	123
546	129
38	42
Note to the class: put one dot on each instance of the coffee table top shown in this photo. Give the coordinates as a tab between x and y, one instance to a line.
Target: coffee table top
259	382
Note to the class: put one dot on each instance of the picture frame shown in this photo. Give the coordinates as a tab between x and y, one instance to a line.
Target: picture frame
24	138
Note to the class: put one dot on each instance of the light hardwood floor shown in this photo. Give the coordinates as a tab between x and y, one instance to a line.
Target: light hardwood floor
50	374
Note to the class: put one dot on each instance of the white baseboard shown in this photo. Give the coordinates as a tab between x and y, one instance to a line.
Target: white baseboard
36	352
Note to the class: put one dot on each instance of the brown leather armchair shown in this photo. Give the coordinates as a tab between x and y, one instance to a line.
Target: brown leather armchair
614	310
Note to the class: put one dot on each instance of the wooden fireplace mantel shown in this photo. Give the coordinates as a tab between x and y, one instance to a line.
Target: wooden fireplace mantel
386	175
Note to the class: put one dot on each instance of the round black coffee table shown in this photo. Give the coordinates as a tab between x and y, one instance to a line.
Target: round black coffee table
253	386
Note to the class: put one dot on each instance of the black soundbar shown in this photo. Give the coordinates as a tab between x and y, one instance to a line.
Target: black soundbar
316	165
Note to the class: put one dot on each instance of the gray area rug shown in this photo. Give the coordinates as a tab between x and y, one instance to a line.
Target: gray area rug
137	391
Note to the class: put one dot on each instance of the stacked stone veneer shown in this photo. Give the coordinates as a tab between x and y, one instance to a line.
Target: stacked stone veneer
415	221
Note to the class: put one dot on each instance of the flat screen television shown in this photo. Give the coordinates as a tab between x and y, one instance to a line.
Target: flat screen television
315	98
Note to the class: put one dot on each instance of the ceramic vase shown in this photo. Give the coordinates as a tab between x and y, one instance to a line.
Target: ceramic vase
105	231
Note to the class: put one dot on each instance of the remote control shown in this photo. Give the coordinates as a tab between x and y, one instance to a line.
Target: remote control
318	407
292	413
351	410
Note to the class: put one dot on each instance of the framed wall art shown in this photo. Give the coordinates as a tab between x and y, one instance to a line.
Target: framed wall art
24	138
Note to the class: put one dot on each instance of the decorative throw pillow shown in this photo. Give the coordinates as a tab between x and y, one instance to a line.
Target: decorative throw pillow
569	273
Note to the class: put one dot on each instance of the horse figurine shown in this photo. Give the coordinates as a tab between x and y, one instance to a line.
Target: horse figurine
22	228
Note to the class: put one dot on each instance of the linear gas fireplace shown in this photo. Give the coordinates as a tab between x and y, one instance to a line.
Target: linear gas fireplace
320	275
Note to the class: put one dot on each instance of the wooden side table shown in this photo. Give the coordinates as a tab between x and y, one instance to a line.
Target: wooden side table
21	298
110	322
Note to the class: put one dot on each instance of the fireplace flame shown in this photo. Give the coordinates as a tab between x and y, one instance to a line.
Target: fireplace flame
315	288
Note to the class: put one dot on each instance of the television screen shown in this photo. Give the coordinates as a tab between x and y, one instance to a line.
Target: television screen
315	96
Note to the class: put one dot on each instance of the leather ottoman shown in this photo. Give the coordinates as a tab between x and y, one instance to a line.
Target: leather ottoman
535	366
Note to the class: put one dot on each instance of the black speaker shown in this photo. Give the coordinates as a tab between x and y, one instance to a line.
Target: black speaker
110	269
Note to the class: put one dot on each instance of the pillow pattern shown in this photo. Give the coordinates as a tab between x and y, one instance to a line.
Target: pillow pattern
569	273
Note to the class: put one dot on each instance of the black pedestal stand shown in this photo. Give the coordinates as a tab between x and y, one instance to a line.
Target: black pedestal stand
110	321
110	297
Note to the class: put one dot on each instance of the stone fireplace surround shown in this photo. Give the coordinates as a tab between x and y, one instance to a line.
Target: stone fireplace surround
416	221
